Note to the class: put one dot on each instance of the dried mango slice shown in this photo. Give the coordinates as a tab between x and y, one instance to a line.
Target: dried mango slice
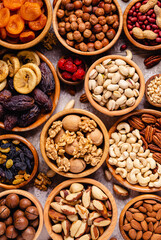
13	4
38	24
4	17
15	25
30	11
27	36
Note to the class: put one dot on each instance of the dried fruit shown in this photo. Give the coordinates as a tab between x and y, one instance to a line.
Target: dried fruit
38	24
10	121
5	95
27	36
15	25
19	103
30	11
29	117
47	84
42	100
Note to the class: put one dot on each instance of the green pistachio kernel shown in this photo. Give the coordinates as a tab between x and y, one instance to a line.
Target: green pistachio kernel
9	163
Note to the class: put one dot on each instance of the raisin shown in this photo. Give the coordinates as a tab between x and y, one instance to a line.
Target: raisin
19	103
47	84
5	95
10	121
11	86
1	111
29	116
42	100
27	152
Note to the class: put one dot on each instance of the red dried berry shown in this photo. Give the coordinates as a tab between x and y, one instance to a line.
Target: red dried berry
80	74
123	47
70	67
81	66
77	61
74	77
70	59
67	75
61	63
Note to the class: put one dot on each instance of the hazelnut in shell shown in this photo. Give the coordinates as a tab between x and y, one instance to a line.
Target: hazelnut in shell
11	232
24	203
69	148
4	212
8	221
28	233
21	223
96	137
34	223
71	123
2	228
18	213
77	165
31	213
12	200
2	201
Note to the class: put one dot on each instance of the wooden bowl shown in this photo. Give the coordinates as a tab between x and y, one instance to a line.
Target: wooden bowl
70	82
135	187
128	205
131	39
60	115
108	231
63	42
146	93
54	97
35	201
35	155
104	110
40	37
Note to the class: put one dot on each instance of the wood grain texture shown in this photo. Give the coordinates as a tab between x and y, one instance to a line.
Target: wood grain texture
59	116
106	235
124	182
146	93
104	110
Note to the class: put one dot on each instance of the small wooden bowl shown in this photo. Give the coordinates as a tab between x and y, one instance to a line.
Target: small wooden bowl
43	33
131	39
128	205
54	97
135	187
70	82
146	92
35	155
104	110
108	231
72	49
60	115
35	201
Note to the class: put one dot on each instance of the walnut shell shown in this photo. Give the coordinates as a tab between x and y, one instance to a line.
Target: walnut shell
96	136
71	123
77	165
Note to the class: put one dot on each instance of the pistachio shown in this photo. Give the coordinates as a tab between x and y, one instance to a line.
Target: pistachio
98	90
120	62
100	68
100	79
92	84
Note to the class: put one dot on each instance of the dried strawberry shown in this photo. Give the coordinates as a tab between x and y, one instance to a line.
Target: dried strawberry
67	75
79	74
77	61
70	59
74	77
61	63
70	67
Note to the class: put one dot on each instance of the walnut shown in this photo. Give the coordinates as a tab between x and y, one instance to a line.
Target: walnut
42	182
55	129
63	164
89	159
50	149
85	146
87	125
68	137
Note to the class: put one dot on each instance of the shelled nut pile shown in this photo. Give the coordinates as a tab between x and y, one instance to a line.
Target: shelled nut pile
154	90
81	212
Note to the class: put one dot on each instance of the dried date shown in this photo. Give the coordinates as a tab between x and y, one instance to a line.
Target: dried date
29	117
1	111
10	121
19	103
5	95
42	100
47	84
11	86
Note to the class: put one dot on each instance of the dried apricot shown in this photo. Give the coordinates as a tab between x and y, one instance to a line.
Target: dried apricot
12	35
39	23
12	40
1	5
3	33
4	17
15	25
36	1
30	11
27	36
13	4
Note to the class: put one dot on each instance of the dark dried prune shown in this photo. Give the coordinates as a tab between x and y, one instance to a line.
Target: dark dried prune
29	116
5	95
42	100
1	111
47	84
11	86
19	103
10	121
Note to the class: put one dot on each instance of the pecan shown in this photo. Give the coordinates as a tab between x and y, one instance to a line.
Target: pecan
71	90
148	118
154	148
149	132
83	98
157	157
136	123
158	125
157	139
159	121
152	61
144	142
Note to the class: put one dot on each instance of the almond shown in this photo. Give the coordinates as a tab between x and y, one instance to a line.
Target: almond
127	227
147	235
136	225
150	201
150	219
144	226
158	229
151	227
133	210
120	191
152	214
156	225
148	207
158	216
139	235
155	237
156	207
138	204
129	216
142	209
132	234
138	217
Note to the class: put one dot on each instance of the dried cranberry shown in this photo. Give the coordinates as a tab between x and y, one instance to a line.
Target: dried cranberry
67	75
74	77
77	61
70	67
80	74
61	63
70	59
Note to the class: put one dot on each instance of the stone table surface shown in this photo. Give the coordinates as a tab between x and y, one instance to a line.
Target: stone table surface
34	135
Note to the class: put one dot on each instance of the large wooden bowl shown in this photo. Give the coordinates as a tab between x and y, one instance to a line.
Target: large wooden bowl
35	201
146	93
128	205
108	231
54	97
135	187
35	155
40	37
131	39
104	110
60	115
63	42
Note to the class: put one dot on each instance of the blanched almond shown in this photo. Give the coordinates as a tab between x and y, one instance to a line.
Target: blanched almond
56	216
86	197
74	196
74	227
81	230
56	206
76	187
66	227
57	228
82	211
120	190
97	193
94	232
102	222
73	218
100	208
68	210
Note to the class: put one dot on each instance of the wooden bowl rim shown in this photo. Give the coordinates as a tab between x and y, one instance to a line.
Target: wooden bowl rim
127	206
35	155
70	82
54	97
146	93
110	45
32	43
135	187
104	110
56	190
62	114
131	39
35	202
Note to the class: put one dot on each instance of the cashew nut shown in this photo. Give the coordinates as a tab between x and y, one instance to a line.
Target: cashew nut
157	183
136	147
143	170
133	155
111	151
153	177
133	176
143	181
123	138
122	172
137	164
136	133
123	156
121	164
128	54
152	163
145	154
129	164
116	136
131	139
123	127
117	151
112	161
126	147
148	173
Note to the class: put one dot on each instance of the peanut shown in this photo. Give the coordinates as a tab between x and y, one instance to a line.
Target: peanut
145	7
139	34
157	11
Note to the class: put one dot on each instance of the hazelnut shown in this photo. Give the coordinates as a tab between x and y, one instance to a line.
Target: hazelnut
34	223
68	13
28	233
2	228
78	4
98	45
102	20
62	31
24	203
87	2
93	19
105	28
115	25
87	9
92	38
86	17
72	18
116	17
77	165
110	20
18	213
107	8
90	47
96	137
2	201
113	7
69	6
79	20
71	123
70	43
66	19
95	2
8	221
3	237
61	24
76	35
60	13
101	4
83	47
21	223
70	36
108	1
64	2
31	213
4	212
67	26
110	34
74	26
11	232
69	148
100	12
87	33
94	9
12	200
97	28
87	25
80	39
76	46
81	27
79	13
100	36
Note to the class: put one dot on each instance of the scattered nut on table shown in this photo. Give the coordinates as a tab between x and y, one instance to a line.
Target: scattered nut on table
120	190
